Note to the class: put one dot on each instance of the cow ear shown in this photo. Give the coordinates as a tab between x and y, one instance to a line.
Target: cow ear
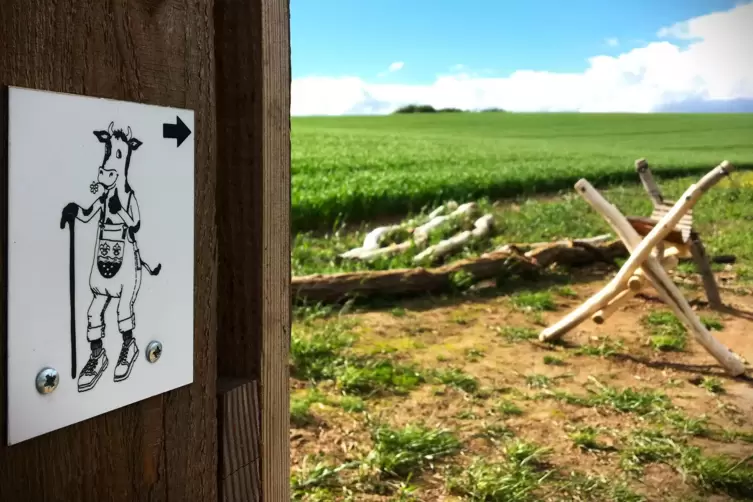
102	136
134	143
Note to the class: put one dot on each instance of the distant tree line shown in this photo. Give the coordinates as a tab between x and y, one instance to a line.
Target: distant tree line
431	109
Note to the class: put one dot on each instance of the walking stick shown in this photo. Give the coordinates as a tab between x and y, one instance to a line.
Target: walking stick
72	292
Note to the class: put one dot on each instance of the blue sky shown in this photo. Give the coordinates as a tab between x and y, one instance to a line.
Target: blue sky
548	55
362	38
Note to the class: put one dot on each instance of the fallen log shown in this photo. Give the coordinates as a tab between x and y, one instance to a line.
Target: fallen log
333	288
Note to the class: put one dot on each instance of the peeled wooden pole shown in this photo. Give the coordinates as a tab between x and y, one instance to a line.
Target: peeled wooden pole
639	255
482	229
635	285
667	290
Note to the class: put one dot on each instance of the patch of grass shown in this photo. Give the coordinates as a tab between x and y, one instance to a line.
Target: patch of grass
517	334
667	332
566	292
587	439
316	354
712	323
514	479
693	426
538	381
300	405
458	379
402	452
553	361
713	385
352	404
720	474
317	478
495	432
307	313
645	447
715	474
474	355
300	411
534	301
642	402
508	408
604	348
369	376
398	312
579	486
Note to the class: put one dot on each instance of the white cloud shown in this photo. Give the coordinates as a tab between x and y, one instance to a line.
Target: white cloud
704	58
397	65
612	42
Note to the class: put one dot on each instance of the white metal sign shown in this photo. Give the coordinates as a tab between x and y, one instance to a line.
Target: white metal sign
100	256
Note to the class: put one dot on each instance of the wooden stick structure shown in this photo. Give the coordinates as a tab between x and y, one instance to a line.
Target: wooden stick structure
643	263
688	234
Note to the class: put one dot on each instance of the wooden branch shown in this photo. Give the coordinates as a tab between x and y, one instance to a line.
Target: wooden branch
635	285
698	253
482	229
648	181
622	297
371	242
406	282
522	247
639	254
667	290
420	235
421	281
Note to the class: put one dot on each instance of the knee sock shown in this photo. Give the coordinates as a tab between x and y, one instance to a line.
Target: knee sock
96	347
127	336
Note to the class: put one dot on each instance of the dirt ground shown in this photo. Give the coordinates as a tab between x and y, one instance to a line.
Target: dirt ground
465	334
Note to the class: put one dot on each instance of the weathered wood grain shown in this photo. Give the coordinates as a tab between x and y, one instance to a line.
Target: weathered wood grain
150	51
253	215
238	407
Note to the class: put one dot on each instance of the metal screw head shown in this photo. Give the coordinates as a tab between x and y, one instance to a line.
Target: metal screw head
153	351
47	380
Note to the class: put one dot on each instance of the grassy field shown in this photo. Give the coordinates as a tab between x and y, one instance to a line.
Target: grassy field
358	168
453	398
724	216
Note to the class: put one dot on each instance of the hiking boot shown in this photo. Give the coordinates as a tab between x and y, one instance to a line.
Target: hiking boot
126	360
92	370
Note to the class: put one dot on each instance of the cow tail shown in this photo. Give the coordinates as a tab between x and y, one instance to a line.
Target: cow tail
152	271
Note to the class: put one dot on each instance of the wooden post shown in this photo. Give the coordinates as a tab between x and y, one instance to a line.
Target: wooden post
253	217
164	448
238	434
704	268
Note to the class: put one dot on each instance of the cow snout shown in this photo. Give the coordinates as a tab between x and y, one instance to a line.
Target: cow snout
107	177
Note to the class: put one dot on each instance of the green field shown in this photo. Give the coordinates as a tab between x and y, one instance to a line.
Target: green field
451	397
358	168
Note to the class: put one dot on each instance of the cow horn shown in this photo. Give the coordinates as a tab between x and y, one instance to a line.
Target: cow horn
110	127
128	135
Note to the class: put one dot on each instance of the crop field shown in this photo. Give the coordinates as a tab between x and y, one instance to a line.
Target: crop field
452	397
358	168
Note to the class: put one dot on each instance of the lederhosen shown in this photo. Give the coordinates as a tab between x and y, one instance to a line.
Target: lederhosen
112	244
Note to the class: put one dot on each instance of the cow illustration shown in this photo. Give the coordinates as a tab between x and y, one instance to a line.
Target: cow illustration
117	265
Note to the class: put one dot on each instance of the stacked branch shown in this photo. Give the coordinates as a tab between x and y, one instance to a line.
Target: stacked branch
377	243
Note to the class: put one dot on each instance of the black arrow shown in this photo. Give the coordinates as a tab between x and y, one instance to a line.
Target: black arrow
177	131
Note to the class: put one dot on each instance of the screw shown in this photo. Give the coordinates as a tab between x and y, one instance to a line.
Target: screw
153	351
47	380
